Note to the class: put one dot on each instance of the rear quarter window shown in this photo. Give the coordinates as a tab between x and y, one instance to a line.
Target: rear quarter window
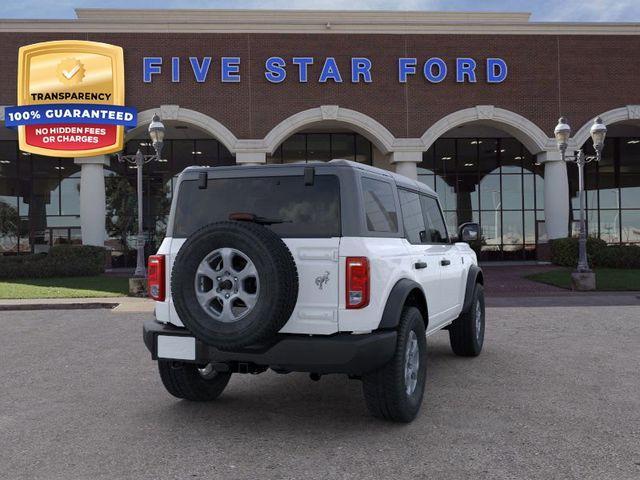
379	206
304	210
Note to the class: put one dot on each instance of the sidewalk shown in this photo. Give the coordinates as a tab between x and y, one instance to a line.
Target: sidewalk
117	304
508	281
505	286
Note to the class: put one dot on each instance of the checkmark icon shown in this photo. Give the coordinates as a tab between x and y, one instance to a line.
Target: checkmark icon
71	73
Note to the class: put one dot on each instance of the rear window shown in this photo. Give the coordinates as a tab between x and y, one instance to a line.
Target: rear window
305	210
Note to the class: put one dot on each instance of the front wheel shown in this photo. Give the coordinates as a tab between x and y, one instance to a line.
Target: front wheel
191	382
395	391
466	333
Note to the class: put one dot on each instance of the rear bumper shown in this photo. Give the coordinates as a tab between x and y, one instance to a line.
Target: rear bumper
339	353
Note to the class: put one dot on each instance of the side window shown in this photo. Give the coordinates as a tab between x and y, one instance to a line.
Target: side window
379	205
412	217
436	230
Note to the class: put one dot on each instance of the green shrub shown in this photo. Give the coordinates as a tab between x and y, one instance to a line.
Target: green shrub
564	252
61	261
618	256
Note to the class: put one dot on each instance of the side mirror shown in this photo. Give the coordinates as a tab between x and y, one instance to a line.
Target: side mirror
469	232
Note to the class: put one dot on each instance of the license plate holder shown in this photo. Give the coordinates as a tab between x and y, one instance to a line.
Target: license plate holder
176	347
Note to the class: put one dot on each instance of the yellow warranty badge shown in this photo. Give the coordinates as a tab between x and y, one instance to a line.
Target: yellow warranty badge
71	72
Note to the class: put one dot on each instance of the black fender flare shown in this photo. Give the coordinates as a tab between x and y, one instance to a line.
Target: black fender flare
474	276
396	301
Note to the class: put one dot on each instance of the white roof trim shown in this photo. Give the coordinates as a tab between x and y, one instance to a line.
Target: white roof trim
311	21
284	16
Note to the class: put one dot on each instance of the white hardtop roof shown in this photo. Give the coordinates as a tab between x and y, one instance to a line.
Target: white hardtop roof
400	180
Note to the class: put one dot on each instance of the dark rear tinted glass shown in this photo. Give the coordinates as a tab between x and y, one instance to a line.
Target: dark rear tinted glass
305	210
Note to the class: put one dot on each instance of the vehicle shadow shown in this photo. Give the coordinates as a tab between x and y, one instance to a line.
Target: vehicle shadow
293	403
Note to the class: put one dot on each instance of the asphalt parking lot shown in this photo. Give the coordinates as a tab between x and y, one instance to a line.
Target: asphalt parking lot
555	394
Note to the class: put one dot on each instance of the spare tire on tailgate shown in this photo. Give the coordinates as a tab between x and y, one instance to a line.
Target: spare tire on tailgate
234	284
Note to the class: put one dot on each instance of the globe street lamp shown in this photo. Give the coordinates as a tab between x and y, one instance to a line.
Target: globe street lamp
156	133
562	133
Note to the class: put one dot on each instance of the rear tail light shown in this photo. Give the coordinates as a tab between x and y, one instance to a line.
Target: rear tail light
357	282
155	279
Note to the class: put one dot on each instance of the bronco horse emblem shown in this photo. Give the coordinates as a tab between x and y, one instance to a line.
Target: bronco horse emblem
322	280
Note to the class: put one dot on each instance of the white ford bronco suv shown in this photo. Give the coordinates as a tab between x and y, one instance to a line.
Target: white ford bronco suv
323	268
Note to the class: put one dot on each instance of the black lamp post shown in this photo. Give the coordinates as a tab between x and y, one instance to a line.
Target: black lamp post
156	133
562	133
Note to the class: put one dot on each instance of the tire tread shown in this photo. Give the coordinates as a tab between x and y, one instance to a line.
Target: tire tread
461	331
183	381
384	388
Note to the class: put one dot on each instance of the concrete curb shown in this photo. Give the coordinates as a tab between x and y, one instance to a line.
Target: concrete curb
57	306
571	299
115	304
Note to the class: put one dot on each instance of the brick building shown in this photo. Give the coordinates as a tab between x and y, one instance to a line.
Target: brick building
465	102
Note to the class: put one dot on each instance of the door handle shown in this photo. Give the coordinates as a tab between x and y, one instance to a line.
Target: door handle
419	265
444	262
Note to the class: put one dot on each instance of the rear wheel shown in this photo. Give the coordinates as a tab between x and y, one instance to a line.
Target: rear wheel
466	333
191	382
395	391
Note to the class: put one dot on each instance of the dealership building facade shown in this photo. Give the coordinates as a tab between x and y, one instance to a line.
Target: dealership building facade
464	102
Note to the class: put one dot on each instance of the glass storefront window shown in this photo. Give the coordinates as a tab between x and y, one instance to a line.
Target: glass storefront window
493	181
612	189
70	196
318	147
44	166
491	228
511	155
364	150
529	192
8	159
9	218
467	192
343	146
511	192
445	156
630	223
539	192
323	147
69	168
182	155
512	229
425	177
490	194
428	160
206	152
294	149
44	199
487	157
466	156
610	226
630	190
608	192
530	228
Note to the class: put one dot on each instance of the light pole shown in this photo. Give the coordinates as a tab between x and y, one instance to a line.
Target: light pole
562	133
156	133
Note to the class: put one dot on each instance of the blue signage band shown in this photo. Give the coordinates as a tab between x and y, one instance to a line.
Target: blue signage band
70	113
